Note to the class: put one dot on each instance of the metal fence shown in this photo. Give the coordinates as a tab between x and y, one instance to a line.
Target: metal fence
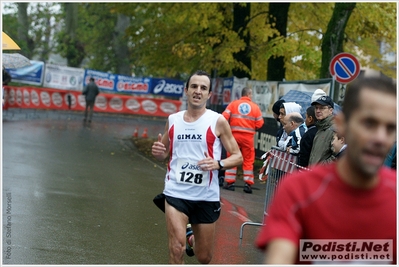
277	164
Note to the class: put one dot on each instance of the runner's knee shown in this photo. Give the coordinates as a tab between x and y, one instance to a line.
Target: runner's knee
204	258
177	252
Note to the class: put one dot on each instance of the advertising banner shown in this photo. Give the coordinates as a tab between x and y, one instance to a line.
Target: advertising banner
62	77
227	89
32	74
45	98
217	92
305	86
238	85
167	87
265	137
264	95
127	84
105	81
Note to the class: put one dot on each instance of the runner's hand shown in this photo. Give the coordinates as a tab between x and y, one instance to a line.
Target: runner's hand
208	164
158	148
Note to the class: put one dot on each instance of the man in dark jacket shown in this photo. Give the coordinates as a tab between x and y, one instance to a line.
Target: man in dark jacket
91	91
321	149
307	138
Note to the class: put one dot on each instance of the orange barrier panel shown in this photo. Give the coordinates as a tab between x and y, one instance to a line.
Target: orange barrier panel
46	98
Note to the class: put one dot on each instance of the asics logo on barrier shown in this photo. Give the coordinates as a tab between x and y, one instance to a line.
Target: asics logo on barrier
168	88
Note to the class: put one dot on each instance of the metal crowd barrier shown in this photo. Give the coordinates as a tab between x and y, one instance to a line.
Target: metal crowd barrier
277	164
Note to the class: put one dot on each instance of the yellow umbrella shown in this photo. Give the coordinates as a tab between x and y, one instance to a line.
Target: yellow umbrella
8	43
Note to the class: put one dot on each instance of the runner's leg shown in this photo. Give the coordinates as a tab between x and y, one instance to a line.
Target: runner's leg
204	240
176	223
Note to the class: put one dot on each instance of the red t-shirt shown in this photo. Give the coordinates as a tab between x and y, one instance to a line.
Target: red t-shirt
321	206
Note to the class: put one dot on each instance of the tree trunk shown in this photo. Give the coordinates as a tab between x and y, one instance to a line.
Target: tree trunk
242	13
45	51
333	39
75	49
23	41
71	19
120	46
278	14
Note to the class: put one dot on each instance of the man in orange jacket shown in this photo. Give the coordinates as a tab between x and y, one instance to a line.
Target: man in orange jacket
244	117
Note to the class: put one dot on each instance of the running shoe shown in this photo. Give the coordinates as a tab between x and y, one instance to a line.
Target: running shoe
189	248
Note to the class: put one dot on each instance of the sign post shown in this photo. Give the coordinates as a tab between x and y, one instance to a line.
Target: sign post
344	68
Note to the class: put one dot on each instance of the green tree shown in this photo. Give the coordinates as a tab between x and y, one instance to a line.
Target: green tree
278	16
174	39
333	39
24	40
242	15
69	44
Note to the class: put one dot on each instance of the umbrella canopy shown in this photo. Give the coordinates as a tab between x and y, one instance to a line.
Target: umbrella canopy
8	43
304	99
14	61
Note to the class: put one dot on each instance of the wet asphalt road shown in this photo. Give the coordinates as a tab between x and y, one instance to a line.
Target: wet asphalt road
79	194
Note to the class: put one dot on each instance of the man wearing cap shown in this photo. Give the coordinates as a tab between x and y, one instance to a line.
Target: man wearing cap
321	149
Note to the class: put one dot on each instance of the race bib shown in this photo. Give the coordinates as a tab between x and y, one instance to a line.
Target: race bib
190	173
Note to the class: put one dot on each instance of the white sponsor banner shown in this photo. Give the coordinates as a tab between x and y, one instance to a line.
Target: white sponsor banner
62	77
263	94
238	85
303	86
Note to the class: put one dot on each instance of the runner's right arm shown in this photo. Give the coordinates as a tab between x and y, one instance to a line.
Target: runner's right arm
160	148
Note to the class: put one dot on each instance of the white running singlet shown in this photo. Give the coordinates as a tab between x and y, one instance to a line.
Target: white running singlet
188	141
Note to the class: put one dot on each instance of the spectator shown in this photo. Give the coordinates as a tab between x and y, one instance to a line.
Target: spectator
352	198
307	138
321	149
317	94
276	113
295	127
286	108
6	77
191	196
91	91
338	145
244	117
6	80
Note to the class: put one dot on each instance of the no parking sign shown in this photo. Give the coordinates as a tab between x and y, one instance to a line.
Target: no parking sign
344	67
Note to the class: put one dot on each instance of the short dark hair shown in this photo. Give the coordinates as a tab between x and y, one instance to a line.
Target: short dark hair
351	101
311	112
91	79
276	106
200	73
245	91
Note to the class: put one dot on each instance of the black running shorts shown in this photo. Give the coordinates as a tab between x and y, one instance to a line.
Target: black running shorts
196	211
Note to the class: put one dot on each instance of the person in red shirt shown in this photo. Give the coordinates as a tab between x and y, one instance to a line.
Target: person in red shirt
352	198
244	117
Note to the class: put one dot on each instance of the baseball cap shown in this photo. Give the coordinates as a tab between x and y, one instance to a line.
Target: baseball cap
324	101
317	94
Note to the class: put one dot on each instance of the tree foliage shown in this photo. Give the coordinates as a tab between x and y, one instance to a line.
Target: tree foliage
174	39
333	39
